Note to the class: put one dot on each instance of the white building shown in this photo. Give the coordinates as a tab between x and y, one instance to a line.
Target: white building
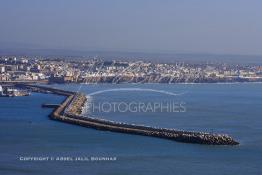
1	91
2	68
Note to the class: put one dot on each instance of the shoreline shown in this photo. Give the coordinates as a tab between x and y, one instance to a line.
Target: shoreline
122	83
257	82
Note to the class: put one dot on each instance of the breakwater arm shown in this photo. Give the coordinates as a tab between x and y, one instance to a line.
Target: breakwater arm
70	111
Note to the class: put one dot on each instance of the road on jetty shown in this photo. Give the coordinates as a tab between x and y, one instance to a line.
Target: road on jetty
71	108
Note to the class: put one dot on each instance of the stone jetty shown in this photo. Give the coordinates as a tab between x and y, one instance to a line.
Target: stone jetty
71	108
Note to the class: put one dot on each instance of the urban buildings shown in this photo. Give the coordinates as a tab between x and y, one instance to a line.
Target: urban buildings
99	71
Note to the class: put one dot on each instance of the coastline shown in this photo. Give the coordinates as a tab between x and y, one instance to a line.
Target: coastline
250	82
91	83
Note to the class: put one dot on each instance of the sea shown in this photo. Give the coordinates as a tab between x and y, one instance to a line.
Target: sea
31	143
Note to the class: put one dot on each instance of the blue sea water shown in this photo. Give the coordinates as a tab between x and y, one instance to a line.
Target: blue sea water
235	109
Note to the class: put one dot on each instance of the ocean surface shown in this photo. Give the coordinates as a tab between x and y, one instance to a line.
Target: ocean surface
234	109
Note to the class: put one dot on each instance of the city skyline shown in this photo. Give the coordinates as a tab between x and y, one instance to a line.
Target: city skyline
58	70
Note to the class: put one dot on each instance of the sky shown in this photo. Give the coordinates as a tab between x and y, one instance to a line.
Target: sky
172	26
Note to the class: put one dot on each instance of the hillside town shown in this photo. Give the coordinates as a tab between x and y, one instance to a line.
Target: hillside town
58	70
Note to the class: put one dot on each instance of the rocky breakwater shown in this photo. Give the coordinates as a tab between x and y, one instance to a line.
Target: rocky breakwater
73	115
71	108
76	105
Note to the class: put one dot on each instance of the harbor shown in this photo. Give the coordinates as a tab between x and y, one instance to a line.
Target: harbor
70	110
10	91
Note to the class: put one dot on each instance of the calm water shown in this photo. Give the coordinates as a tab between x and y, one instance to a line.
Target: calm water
225	108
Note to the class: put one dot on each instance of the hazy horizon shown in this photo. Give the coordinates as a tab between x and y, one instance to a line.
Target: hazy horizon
150	26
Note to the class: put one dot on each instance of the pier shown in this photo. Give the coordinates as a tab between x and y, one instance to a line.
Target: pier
50	105
70	110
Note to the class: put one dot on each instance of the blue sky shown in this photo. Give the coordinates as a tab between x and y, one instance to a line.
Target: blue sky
176	26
